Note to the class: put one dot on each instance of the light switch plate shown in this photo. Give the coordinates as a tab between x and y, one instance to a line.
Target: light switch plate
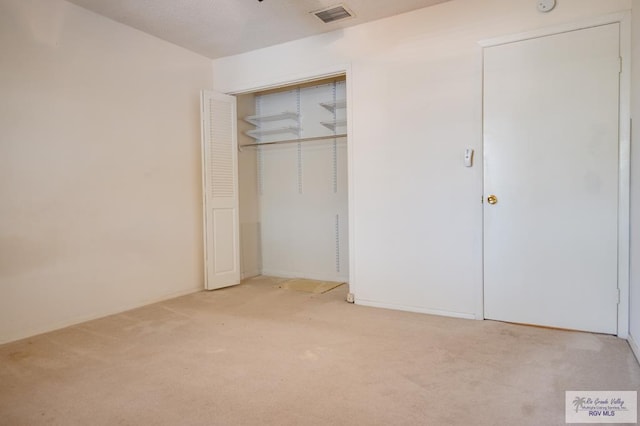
468	157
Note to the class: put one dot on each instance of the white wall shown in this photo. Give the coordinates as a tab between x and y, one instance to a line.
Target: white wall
250	254
303	190
634	327
415	87
99	167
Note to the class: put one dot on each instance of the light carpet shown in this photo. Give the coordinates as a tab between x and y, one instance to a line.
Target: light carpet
255	354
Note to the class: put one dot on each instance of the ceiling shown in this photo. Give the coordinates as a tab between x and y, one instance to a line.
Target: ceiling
217	28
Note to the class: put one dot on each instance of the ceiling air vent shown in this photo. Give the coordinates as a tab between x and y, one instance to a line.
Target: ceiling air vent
333	13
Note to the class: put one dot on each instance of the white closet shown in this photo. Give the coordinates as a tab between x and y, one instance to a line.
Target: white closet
293	182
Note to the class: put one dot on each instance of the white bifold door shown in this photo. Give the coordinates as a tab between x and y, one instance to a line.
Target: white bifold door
220	188
551	180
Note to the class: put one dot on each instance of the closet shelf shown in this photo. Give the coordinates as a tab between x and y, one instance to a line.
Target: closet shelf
256	120
258	133
331	125
333	106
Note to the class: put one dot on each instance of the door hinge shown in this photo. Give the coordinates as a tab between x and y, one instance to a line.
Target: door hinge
620	61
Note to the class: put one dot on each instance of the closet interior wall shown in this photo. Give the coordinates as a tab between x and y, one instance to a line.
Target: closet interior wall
249	206
293	196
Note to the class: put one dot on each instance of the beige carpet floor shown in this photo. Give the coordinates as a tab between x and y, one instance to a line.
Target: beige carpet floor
258	355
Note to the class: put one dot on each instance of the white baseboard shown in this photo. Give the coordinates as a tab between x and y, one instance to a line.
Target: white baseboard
250	274
413	309
634	347
25	334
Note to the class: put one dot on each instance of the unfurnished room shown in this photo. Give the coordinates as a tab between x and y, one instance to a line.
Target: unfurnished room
319	212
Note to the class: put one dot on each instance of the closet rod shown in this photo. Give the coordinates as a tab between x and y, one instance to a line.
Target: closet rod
317	138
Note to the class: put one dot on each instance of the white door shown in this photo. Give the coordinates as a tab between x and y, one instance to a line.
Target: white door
220	187
551	161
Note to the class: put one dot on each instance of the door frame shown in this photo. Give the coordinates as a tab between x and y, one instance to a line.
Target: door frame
320	74
624	144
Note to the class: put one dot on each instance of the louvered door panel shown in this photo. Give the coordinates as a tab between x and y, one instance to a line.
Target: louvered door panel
220	168
221	164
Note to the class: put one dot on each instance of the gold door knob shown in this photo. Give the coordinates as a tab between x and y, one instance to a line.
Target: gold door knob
492	199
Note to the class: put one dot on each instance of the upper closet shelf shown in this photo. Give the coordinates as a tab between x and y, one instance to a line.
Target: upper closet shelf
258	133
332	106
256	120
331	125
